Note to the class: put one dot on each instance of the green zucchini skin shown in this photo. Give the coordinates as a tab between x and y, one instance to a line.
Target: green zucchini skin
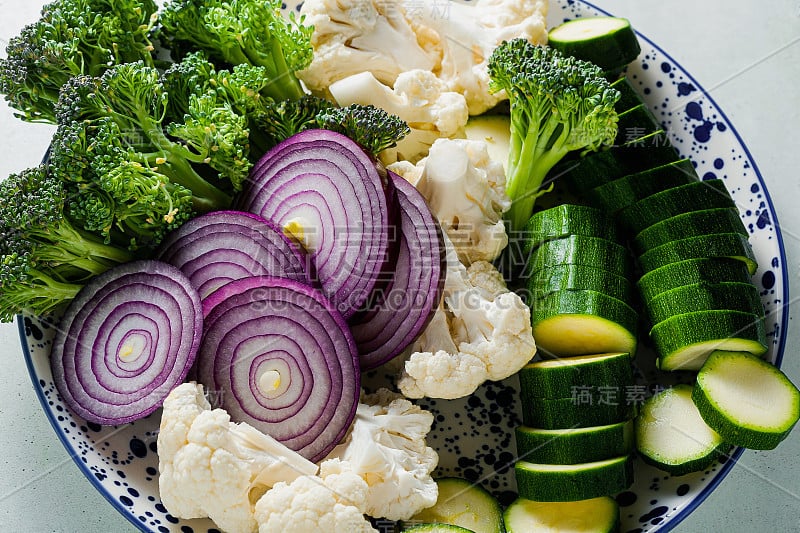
601	407
733	382
629	97
463	504
635	122
694	196
611	50
573	482
732	245
683	342
670	419
702	270
568	219
596	515
627	190
561	378
579	277
581	250
703	222
575	445
702	296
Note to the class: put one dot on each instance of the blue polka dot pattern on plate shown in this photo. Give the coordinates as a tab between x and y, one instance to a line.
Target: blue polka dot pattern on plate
474	436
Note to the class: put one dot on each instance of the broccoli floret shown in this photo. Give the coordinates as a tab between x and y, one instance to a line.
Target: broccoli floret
252	32
557	104
72	37
44	258
285	118
205	153
371	127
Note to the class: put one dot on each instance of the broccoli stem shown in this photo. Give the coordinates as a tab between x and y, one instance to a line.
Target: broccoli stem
39	298
79	250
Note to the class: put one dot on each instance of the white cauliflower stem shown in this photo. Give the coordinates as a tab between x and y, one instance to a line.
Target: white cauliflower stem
419	98
465	190
386	447
480	331
211	467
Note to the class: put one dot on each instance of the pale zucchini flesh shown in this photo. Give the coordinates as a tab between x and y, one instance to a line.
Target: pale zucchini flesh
671	434
464	504
608	42
747	400
559	483
596	515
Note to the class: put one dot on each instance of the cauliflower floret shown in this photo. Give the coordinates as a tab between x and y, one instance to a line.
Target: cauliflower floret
386	447
466	191
211	467
478	321
419	98
310	503
465	34
353	35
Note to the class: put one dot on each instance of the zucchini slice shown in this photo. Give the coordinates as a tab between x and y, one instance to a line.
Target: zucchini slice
704	296
690	271
627	190
672	436
581	277
582	322
693	196
608	42
596	515
437	528
629	97
732	245
748	401
635	122
582	250
568	219
597	407
703	222
560	483
464	504
574	445
560	378
683	342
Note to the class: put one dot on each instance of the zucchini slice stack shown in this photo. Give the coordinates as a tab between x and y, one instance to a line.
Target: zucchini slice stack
578	283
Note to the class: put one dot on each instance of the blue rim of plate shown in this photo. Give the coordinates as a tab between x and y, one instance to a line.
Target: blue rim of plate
737	453
674	520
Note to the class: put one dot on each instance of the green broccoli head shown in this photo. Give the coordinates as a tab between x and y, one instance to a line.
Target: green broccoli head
558	104
238	32
371	127
72	37
285	118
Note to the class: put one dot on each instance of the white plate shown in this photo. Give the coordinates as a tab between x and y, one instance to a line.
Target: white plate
474	436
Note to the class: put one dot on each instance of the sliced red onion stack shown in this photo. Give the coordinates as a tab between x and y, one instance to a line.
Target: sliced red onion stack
283	360
403	307
219	247
127	339
323	183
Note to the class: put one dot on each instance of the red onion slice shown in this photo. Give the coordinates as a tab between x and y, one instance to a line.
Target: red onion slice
282	359
126	340
415	280
219	247
325	183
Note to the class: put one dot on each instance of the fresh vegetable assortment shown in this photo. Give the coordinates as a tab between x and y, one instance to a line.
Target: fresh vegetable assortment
279	258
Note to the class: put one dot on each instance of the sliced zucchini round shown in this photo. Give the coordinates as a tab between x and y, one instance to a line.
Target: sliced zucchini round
732	245
707	194
574	445
608	42
629	97
627	190
562	483
705	296
579	277
581	250
748	401
581	322
596	515
560	378
690	271
568	219
437	528
703	222
671	434
465	504
683	342
588	408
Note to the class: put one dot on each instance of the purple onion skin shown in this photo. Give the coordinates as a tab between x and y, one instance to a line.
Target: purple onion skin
258	325
148	301
413	281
